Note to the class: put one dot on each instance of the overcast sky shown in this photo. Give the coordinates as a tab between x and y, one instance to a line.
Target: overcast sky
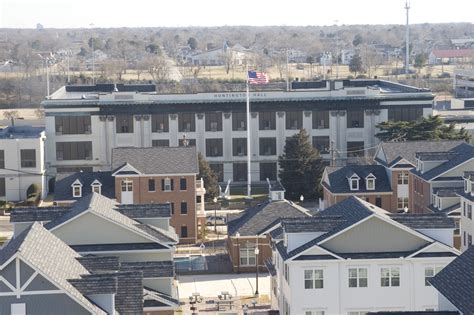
149	13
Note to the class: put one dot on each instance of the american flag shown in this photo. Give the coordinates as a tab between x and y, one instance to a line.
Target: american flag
255	77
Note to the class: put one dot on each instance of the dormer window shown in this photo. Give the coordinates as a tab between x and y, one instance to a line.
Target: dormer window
370	182
76	189
354	183
96	187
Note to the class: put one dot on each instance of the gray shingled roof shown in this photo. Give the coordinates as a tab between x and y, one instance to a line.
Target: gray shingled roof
32	214
87	248
424	221
255	219
47	253
456	282
339	183
150	269
129	297
463	152
395	151
169	300
448	191
155	210
63	189
99	263
95	284
322	223
157	160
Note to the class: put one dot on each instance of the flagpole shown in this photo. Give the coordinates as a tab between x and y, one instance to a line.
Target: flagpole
249	176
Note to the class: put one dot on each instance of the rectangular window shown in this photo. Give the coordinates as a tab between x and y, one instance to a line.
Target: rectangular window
430	272
268	170
321	143
97	189
160	143
184	231
127	185
172	207
74	150
358	277
355	148
321	119
72	125
186	122
405	113
239	146
457	225
239	121
267	120
355	119
378	201
214	147
213	121
182	184
184	207
267	146
28	158
247	256
124	123
159	123
370	183
469	239
314	313
151	185
18	309
77	191
190	142
2	159
390	277
314	279
167	184
294	120
357	313
469	211
402	202
402	178
240	172
218	169
2	187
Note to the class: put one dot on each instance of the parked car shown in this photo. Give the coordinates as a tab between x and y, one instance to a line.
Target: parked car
218	220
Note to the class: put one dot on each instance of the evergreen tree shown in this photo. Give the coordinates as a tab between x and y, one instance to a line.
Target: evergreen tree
209	178
355	65
301	167
426	128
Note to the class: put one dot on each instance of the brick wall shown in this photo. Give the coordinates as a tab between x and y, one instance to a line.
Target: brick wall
233	249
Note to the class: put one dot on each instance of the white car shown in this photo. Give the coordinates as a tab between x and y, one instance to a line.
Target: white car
218	220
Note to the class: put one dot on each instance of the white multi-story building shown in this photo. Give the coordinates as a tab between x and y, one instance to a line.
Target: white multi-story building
354	257
467	204
21	161
84	123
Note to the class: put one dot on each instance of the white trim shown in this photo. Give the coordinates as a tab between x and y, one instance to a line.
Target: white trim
123	251
33	293
127	167
27	283
447	171
8	284
17	274
158	175
362	193
450	249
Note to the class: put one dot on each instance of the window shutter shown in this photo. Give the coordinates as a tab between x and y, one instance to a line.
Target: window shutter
172	184
163	185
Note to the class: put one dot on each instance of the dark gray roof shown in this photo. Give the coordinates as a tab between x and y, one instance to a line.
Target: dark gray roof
99	263
255	219
169	300
463	152
447	210
157	160
163	236
456	282
414	313
424	221
150	269
95	284
129	297
468	196
32	214
434	156
321	223
448	191
395	151
52	257
20	132
63	189
155	210
277	233
116	247
339	183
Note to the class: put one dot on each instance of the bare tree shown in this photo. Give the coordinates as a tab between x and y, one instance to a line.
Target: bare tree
229	60
279	60
11	115
115	68
158	68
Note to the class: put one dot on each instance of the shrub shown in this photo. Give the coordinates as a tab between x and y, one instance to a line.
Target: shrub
33	194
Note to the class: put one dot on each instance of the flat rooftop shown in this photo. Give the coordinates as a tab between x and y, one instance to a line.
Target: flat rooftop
20	132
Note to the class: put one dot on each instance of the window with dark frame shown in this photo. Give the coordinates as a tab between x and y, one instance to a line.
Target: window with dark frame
28	158
355	149
239	121
321	143
320	119
184	231
267	146
218	169
267	120
239	146
159	123
124	123
186	122
2	159
405	113
72	125
74	150
2	187
191	142
239	172
213	121
182	184
294	120
355	119
214	147
160	143
151	184
184	207
268	170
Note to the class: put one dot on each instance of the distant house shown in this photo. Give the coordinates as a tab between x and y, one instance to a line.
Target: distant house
451	56
368	182
238	54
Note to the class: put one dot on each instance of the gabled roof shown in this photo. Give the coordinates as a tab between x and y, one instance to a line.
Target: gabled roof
456	282
462	153
338	182
137	211
157	160
104	208
453	53
320	223
63	190
46	253
424	221
396	151
32	214
254	220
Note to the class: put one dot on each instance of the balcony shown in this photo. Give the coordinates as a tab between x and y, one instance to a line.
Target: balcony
200	190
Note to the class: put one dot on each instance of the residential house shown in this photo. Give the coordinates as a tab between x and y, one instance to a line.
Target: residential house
463	81
368	182
139	236
22	162
399	158
451	56
248	230
162	175
40	274
236	55
442	169
466	195
354	257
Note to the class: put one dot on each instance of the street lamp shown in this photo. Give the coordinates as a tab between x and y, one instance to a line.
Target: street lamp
215	214
301	198
237	236
257	251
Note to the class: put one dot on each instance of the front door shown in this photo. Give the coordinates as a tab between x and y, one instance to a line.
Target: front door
127	192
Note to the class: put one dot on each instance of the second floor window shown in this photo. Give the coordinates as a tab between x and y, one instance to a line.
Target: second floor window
182	184
267	146
294	120
167	184
151	184
430	272
2	158
239	146
159	123
355	119
74	150
186	122
213	121
358	277
214	147
314	279
402	178
28	158
321	119
124	123
73	125
239	121
267	120
184	207
370	183
390	277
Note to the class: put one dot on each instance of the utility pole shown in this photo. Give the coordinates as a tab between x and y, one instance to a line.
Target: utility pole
93	54
287	70
407	41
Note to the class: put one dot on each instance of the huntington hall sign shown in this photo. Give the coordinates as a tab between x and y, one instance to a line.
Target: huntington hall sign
239	95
